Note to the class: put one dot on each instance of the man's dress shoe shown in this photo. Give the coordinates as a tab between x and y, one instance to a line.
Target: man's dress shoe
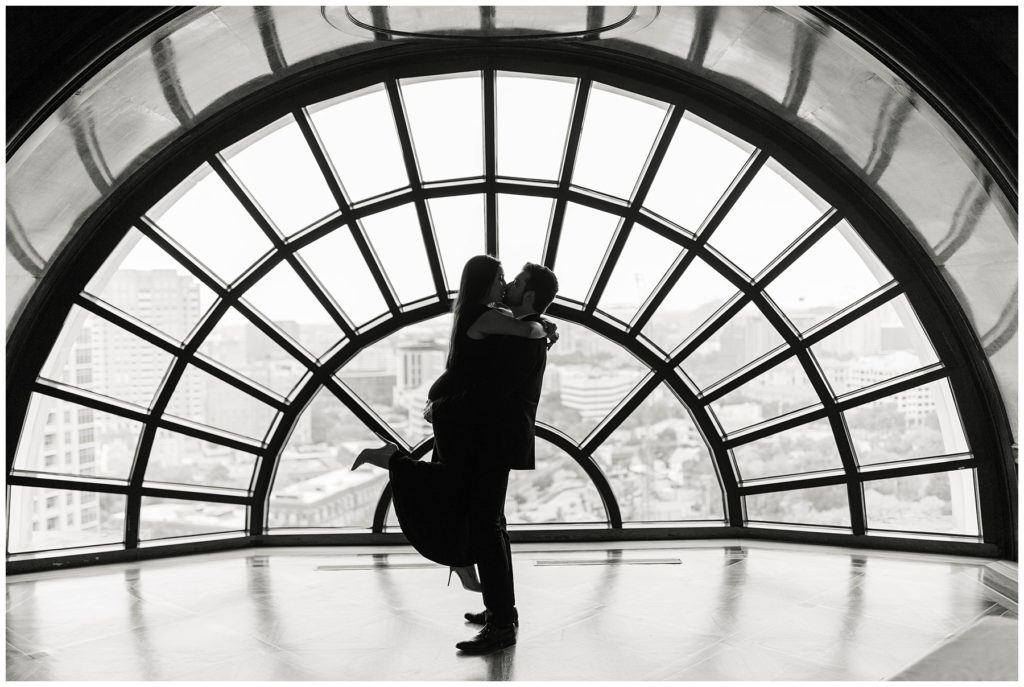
491	638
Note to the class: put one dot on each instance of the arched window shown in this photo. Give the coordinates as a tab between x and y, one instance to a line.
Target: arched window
733	352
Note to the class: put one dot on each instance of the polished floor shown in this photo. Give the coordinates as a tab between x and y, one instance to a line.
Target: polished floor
727	610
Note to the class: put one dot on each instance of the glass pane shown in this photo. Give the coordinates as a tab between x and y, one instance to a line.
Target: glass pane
644	260
358	132
885	343
780	390
839	269
393	375
279	169
619	130
446	122
701	162
770	214
96	355
207	220
289	303
314	485
225	407
391	524
818	506
179	459
558	491
806	448
459	226
698	294
237	343
532	124
336	262
148	284
658	465
562	19
396	238
163	518
744	338
918	423
522	227
586	234
66	438
42	519
943	502
586	377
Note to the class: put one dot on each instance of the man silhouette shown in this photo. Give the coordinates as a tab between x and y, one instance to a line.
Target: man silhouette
519	379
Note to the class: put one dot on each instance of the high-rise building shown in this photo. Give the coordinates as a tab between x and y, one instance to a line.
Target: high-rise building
594	392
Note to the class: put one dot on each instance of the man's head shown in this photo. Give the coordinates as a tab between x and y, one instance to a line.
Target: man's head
532	290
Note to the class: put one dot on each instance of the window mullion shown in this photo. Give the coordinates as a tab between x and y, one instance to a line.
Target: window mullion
241	383
932	373
800	246
209	434
956	462
275	334
590	467
182	256
90	399
45	481
660	292
316	146
716	446
568	164
412	169
708	329
870	302
490	159
780	425
653	164
195	495
739	184
620	413
723	388
321	295
125	321
365	414
245	198
754	488
376	269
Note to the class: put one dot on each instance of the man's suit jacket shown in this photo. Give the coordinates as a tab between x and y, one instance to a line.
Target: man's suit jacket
521	364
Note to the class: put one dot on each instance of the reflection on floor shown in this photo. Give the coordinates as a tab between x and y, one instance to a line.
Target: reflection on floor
735	610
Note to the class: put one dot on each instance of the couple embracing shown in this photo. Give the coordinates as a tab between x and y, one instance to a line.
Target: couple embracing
483	409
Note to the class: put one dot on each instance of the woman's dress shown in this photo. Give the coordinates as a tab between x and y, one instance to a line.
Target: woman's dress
430	498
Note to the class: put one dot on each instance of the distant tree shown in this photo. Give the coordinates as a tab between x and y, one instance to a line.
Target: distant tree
668	436
217	474
938	486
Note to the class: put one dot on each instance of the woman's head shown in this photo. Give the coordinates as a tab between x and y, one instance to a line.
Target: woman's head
482	281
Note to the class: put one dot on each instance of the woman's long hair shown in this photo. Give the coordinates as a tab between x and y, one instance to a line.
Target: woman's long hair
477	278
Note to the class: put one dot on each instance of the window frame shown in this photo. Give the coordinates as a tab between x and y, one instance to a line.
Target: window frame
914	276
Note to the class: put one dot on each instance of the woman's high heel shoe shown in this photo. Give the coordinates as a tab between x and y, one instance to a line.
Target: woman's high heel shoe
376	456
467	575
